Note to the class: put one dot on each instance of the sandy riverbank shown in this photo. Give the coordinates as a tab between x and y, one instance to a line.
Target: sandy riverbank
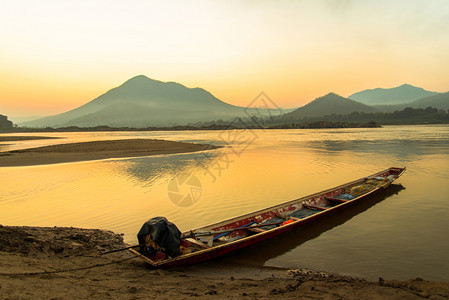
37	249
73	152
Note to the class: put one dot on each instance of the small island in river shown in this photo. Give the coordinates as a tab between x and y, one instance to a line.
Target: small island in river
95	150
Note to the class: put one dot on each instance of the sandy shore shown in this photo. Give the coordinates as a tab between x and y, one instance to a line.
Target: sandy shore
31	259
73	152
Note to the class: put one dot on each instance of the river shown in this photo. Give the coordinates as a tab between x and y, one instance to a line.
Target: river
401	235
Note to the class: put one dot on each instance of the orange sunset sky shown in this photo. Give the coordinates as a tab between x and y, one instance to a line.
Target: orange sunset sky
57	55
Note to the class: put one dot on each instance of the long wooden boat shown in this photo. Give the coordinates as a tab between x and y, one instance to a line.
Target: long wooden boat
222	238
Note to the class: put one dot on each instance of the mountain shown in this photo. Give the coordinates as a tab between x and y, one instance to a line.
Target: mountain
440	101
143	102
398	95
327	105
18	119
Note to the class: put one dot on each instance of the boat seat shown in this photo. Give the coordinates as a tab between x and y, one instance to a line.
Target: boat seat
314	207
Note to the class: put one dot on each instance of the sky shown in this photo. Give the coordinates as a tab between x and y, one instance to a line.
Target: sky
57	55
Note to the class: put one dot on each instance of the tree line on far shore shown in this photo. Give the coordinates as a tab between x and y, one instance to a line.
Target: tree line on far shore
407	116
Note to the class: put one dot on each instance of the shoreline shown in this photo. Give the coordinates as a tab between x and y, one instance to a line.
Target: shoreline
96	150
46	251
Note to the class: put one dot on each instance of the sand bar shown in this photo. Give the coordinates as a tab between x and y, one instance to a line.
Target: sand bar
73	152
43	250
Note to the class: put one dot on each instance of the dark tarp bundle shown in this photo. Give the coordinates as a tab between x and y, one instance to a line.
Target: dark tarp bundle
163	233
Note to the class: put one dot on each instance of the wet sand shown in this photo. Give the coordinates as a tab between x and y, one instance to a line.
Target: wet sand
66	263
73	152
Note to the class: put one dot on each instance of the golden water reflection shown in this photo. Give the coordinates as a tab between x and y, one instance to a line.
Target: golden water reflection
399	237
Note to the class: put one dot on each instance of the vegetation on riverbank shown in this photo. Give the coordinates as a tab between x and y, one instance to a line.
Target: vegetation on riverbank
407	116
5	124
231	126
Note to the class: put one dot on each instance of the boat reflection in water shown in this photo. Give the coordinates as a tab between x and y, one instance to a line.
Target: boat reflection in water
276	247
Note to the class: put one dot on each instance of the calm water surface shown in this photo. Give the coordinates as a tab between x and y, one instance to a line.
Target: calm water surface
401	234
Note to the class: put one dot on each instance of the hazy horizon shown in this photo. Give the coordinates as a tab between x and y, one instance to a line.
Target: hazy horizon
60	55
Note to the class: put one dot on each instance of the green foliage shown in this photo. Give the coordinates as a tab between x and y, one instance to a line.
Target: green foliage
408	115
5	124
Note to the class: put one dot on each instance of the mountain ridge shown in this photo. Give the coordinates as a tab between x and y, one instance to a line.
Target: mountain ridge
144	102
402	94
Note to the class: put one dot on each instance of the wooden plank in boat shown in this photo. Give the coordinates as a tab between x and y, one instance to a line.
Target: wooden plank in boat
257	230
137	253
193	241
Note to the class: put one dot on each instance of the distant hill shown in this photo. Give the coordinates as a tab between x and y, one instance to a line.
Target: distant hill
18	120
142	102
327	105
398	95
439	101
